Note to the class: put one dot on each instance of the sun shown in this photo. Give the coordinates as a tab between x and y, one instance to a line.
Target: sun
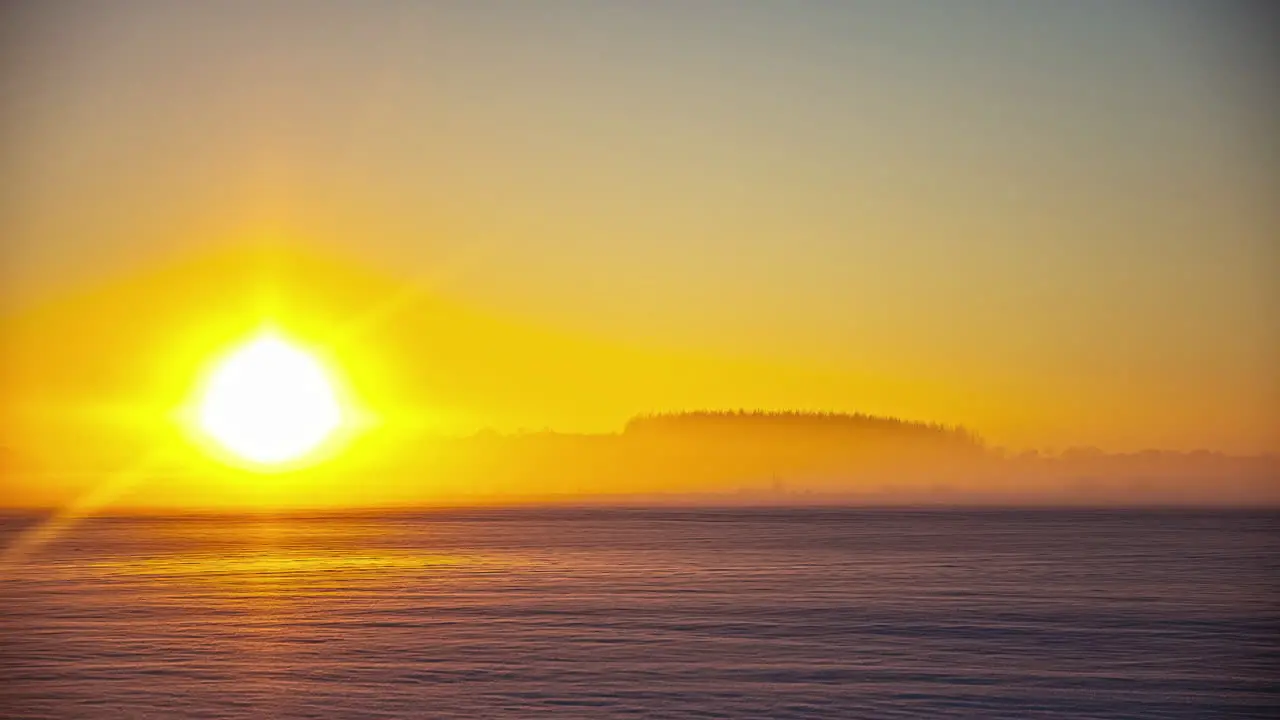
269	402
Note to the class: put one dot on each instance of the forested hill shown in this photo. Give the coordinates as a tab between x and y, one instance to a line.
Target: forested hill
792	424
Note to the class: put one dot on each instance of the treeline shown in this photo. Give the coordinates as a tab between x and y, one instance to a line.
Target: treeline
723	456
791	422
853	457
714	451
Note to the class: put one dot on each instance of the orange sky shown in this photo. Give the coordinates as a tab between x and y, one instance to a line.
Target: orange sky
1052	223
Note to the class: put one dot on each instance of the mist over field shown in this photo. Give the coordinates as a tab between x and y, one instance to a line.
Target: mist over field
723	458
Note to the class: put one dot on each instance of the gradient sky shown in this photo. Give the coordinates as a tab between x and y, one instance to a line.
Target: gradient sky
1058	217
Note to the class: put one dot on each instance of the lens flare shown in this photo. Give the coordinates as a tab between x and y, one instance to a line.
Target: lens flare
270	402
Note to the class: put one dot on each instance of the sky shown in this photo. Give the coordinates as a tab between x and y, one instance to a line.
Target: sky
1052	222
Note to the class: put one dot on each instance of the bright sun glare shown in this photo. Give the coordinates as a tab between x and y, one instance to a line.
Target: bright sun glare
269	402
